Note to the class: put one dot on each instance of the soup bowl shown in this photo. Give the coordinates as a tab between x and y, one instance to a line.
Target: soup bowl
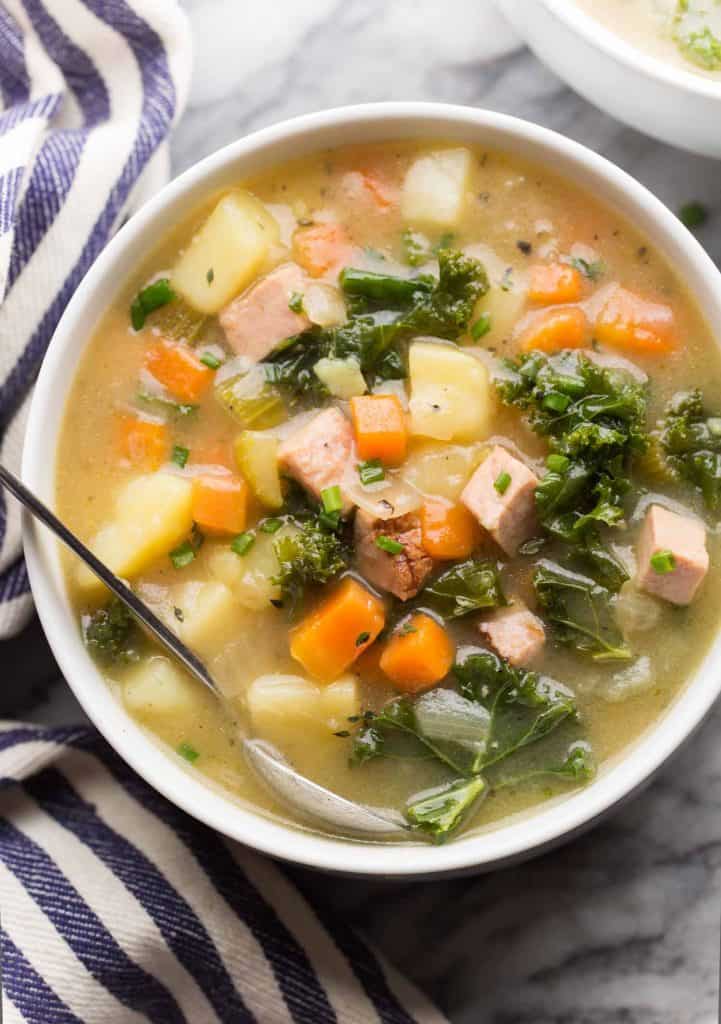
515	838
669	103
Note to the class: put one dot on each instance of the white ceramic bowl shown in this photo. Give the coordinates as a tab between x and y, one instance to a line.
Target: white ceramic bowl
515	839
672	104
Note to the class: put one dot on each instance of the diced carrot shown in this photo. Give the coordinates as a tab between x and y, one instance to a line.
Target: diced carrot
322	247
629	322
218	453
382	193
419	655
178	369
142	440
554	329
554	283
448	530
380	428
220	502
328	640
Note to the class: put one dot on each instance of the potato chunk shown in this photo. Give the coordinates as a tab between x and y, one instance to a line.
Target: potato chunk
209	615
282	707
226	253
158	688
152	515
250	576
435	187
451	396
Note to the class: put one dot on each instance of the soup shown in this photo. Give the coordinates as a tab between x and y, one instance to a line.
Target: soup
683	33
404	441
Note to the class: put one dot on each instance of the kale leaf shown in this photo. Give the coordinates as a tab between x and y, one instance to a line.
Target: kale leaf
312	556
577	765
691	443
111	633
439	812
466	587
580	612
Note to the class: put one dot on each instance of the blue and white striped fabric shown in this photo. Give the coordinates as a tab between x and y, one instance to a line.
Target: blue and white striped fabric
89	90
117	908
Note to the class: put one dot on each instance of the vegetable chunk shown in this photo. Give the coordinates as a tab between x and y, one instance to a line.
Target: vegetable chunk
451	398
142	440
286	707
448	530
210	614
390	554
418	655
380	428
256	454
555	329
627	321
554	283
152	514
322	248
434	188
159	689
501	495
330	639
226	253
178	369
220	502
261	317
318	454
515	633
672	556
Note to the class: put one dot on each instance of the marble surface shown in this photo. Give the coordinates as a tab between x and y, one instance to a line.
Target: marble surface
618	927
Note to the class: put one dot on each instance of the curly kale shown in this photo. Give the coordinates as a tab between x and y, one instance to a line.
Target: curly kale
111	633
594	419
691	444
385	313
313	555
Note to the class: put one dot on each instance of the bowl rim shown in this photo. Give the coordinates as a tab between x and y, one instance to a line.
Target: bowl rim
540	830
600	37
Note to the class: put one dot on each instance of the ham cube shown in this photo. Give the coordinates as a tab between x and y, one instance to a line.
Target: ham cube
501	495
260	318
319	453
402	574
672	555
515	633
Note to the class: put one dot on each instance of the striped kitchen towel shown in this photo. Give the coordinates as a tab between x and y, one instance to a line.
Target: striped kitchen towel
118	908
89	90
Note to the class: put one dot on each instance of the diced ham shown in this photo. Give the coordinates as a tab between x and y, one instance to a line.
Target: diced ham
403	574
260	318
515	633
319	453
685	538
505	508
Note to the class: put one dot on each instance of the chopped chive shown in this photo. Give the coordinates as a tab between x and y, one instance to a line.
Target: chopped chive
693	214
663	562
180	455
392	547
361	639
210	276
329	520
182	555
210	360
155	295
481	327
502	481
295	302
188	752
332	501
242	544
556	402
590	270
271	525
557	463
406	629
371	471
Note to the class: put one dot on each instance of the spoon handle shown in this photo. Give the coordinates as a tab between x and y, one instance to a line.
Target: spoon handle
156	626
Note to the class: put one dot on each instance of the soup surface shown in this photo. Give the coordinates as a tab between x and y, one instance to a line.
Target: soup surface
402	440
683	33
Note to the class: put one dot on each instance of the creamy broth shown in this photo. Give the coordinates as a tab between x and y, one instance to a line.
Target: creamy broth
513	217
687	37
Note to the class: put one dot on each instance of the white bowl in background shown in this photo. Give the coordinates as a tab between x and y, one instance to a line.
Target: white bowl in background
667	102
290	139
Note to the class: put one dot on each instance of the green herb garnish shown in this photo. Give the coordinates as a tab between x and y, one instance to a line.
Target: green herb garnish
180	455
502	482
242	544
371	471
331	499
663	562
295	302
188	752
389	545
210	360
152	297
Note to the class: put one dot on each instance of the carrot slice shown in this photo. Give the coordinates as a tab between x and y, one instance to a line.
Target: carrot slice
220	503
554	329
141	440
447	530
380	428
322	247
419	655
554	283
627	321
178	369
330	639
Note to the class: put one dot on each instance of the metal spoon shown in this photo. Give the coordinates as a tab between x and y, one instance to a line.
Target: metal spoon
293	788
